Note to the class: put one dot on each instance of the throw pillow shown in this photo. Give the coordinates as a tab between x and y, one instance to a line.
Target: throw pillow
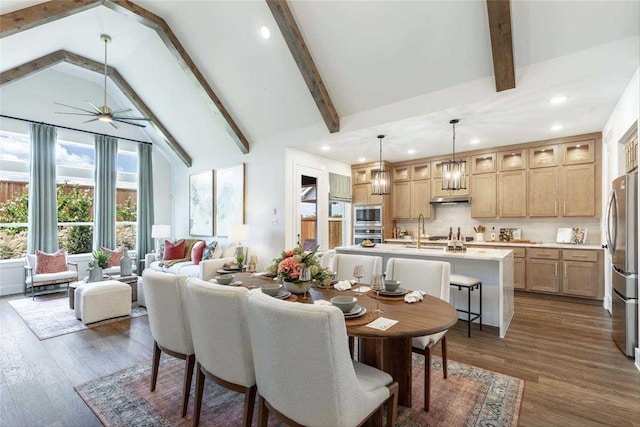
173	250
209	251
197	252
51	263
116	255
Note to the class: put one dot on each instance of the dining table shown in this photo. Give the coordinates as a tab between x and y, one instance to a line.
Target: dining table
390	349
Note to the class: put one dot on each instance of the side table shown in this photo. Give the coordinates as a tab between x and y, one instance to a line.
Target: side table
71	291
131	281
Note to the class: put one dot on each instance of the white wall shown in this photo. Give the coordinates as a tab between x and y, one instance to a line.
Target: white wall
625	114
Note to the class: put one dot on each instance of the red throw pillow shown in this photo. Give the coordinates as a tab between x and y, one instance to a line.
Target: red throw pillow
51	263
196	252
173	250
116	255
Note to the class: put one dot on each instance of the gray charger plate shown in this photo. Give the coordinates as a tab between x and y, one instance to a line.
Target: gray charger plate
398	292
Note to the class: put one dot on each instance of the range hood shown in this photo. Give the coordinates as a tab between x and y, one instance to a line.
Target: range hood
452	200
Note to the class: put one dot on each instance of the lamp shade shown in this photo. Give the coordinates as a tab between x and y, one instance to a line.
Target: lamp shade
160	231
239	232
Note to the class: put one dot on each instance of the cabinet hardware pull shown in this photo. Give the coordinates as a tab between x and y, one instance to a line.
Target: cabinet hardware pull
565	269
556	268
580	256
555	207
564	208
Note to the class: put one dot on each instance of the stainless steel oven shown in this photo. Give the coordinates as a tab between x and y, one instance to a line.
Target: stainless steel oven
367	216
374	234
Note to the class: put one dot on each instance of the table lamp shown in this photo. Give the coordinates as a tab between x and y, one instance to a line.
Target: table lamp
239	233
159	232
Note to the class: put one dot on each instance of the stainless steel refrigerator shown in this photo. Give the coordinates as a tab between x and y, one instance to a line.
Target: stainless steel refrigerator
622	241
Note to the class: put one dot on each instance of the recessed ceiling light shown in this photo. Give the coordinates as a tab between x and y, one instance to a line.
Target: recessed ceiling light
557	100
411	151
361	159
557	126
325	148
265	32
474	141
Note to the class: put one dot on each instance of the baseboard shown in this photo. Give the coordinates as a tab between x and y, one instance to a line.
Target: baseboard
637	358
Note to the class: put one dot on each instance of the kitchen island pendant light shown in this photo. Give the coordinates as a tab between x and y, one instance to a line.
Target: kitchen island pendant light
380	178
454	172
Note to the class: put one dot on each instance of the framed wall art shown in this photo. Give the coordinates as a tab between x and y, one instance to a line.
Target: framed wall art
201	199
229	198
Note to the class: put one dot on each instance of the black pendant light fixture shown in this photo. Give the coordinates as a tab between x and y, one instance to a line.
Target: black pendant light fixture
454	172
380	178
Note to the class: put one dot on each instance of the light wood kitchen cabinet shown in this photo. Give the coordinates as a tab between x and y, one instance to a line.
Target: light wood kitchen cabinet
543	192
437	191
484	163
543	275
512	160
519	273
578	186
575	153
579	279
361	176
401	194
420	197
631	152
401	173
483	195
543	157
512	194
362	195
421	171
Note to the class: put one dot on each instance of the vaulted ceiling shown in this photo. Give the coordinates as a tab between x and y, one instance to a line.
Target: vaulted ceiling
400	68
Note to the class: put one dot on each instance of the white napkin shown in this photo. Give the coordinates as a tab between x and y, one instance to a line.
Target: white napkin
322	302
342	285
414	296
382	323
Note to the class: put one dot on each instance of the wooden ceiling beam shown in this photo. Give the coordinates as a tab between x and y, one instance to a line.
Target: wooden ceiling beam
24	19
40	64
499	12
292	35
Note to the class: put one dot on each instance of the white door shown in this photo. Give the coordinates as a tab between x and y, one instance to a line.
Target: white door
311	205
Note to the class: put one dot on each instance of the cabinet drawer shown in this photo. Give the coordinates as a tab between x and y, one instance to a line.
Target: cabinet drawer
543	253
580	255
518	252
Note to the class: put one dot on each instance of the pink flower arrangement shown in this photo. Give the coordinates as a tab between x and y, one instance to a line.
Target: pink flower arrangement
289	267
291	262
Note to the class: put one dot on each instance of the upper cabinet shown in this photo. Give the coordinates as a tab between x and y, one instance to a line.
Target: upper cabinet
401	195
483	195
578	185
420	199
512	160
401	173
575	153
512	194
543	192
421	171
437	191
484	163
543	157
360	176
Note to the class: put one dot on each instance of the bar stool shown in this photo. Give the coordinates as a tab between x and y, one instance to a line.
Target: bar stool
470	284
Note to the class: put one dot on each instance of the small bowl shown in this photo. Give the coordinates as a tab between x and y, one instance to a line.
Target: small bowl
344	303
271	290
225	279
391	285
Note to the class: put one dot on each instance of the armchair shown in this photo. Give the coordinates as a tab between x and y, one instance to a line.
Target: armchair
33	280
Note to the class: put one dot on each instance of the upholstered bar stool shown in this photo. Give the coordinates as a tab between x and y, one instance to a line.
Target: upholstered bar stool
470	284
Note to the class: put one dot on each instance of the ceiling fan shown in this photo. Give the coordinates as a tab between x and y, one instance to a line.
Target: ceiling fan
104	113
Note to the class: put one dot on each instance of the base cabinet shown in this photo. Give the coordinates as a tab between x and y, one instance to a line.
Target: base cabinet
579	279
519	276
543	275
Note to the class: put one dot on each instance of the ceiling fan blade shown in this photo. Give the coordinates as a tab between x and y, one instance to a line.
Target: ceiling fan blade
75	108
113	124
128	123
94	106
124	110
77	114
92	120
133	118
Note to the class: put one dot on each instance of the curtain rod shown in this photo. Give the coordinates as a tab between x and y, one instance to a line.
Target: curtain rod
4	116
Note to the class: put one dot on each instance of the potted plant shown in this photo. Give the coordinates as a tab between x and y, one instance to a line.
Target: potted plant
291	263
100	261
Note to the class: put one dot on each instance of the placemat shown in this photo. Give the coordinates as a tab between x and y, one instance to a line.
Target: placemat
372	294
291	298
369	317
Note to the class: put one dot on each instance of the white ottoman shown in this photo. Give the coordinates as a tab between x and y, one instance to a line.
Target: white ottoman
102	300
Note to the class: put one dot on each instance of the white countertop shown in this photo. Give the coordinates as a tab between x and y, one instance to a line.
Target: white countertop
506	244
470	253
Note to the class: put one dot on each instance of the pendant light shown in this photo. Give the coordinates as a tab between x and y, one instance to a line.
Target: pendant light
454	172
380	178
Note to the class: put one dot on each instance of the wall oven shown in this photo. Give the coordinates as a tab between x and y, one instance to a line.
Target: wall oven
367	216
373	234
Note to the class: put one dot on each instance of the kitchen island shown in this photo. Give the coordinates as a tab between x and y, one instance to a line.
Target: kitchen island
494	267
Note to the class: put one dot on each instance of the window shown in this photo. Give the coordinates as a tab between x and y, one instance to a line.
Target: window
75	163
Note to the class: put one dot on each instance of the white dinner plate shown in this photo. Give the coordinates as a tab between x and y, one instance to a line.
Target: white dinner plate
355	310
398	292
359	313
283	294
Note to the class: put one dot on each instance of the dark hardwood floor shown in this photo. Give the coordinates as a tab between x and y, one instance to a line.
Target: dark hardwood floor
575	376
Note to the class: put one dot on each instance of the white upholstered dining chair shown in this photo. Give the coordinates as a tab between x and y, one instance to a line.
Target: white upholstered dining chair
166	299
303	367
432	277
220	331
342	265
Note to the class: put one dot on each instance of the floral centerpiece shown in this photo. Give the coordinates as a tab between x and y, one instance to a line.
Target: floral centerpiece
288	266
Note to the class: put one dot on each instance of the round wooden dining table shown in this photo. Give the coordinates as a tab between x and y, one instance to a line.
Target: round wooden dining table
388	350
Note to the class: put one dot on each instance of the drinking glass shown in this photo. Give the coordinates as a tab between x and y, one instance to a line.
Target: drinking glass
358	273
376	285
305	276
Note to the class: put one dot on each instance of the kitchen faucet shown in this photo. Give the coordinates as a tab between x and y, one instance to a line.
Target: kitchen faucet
420	229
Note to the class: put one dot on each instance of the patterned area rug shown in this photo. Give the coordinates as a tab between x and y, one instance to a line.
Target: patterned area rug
49	316
470	396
